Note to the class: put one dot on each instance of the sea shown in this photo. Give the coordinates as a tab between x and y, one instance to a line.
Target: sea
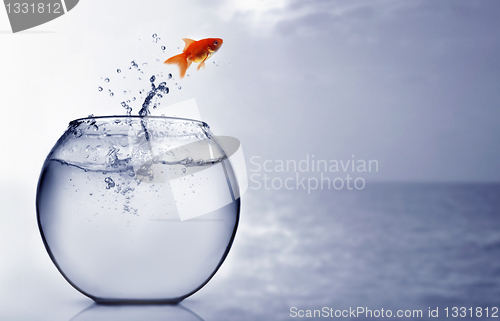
403	247
423	251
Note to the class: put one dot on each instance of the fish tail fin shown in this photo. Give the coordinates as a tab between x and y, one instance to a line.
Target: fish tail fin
181	60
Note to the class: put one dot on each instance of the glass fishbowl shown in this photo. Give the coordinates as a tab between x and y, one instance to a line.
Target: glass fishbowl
137	209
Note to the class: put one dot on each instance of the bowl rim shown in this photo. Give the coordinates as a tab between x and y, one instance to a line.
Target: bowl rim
138	116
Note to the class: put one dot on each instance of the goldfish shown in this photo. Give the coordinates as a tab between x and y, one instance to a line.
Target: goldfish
195	51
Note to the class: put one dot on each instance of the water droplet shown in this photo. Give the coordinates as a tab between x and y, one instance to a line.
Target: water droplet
152	79
106	80
100	88
163	47
118	71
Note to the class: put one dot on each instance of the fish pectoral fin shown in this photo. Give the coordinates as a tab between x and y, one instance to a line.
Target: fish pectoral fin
187	41
202	64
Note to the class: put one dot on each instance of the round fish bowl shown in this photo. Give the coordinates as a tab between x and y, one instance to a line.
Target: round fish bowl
137	209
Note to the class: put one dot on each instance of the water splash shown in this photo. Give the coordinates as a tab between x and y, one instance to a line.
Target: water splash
149	98
154	92
127	107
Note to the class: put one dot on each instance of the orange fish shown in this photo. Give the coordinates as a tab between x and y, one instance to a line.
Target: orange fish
195	51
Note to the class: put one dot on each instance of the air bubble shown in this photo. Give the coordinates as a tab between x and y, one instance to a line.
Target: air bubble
106	80
99	88
152	79
110	183
155	35
163	47
118	71
111	94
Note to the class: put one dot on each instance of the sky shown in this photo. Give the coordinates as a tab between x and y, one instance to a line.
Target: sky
411	84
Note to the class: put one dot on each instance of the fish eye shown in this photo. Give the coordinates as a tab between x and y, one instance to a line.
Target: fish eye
216	42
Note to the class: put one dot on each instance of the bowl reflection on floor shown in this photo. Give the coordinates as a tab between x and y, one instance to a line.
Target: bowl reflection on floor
99	312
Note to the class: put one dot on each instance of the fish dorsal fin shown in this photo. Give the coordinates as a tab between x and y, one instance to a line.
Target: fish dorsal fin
188	42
